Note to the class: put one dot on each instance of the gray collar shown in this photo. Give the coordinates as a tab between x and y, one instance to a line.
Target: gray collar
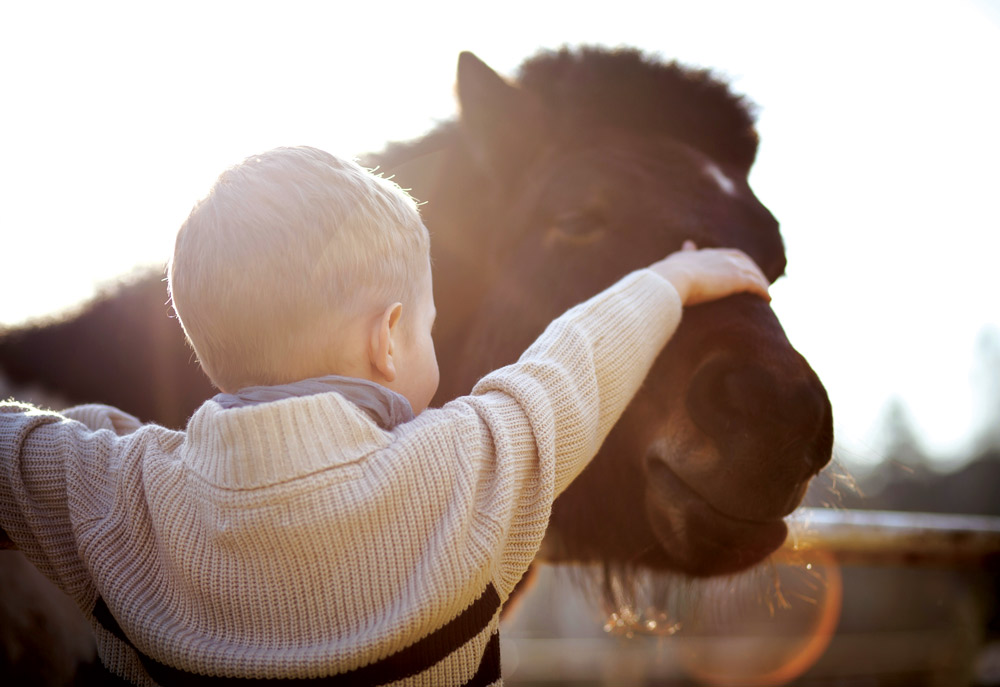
385	407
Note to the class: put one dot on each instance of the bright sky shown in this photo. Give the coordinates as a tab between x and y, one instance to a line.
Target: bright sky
879	148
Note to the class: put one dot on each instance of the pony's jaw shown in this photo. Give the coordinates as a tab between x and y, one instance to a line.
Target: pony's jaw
698	537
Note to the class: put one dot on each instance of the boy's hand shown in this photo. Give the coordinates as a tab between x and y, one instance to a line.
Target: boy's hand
711	273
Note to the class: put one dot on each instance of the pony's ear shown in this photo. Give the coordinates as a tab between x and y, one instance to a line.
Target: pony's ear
504	125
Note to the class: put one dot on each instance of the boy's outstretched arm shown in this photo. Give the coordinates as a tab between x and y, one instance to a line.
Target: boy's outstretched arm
529	428
36	452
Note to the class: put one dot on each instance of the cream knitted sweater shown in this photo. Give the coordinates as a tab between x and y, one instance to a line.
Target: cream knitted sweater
297	539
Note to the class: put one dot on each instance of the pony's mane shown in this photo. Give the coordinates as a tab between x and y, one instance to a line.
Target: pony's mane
626	89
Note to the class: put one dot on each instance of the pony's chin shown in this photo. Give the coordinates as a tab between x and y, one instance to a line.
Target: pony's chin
699	539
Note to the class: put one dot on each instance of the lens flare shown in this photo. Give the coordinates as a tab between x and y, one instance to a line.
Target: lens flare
778	640
764	627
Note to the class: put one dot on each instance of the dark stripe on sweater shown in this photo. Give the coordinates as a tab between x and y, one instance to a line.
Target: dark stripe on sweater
416	658
489	665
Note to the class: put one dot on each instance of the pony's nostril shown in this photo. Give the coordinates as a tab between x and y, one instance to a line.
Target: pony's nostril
735	402
724	395
746	391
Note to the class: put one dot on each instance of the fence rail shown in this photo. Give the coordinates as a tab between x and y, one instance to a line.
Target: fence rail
896	537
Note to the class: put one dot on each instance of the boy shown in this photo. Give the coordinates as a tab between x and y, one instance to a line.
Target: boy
314	521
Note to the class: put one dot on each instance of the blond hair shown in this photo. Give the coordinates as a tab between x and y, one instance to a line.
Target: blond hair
284	244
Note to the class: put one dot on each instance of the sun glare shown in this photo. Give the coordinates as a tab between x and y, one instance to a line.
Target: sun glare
877	160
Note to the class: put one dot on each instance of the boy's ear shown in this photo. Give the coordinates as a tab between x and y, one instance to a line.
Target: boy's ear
381	346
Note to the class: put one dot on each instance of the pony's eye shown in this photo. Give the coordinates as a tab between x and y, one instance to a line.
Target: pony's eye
577	227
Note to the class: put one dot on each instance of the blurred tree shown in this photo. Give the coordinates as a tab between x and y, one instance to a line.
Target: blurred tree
986	380
899	440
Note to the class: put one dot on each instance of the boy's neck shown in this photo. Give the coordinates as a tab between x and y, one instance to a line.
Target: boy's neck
386	407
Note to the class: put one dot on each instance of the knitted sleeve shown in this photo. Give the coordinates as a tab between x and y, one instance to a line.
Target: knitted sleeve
41	454
539	421
97	416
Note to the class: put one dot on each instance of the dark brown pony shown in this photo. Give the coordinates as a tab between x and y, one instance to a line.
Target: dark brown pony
591	165
544	191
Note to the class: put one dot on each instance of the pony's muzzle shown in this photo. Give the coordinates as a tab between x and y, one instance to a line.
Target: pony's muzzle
748	410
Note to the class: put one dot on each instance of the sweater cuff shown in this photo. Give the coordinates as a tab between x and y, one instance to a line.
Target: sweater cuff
659	277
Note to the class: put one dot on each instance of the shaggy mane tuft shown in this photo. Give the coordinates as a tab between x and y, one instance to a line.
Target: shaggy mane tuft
596	87
625	89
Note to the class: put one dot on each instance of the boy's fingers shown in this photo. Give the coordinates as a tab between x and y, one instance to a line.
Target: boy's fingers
689	245
764	293
761	284
755	275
